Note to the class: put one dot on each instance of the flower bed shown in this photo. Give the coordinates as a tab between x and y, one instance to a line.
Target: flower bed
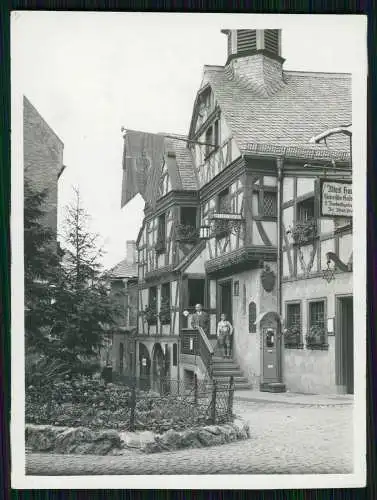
88	403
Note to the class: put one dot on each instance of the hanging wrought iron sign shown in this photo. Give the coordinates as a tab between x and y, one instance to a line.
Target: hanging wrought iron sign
268	279
328	273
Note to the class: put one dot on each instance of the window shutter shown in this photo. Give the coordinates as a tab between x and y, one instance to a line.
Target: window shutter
271	41
246	40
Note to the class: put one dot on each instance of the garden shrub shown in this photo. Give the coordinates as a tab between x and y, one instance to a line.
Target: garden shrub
83	401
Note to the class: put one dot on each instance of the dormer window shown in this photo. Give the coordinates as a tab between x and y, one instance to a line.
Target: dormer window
212	137
164	183
216	135
208	141
161	234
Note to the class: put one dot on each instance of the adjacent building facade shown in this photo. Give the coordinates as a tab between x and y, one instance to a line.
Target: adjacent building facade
233	221
120	349
43	159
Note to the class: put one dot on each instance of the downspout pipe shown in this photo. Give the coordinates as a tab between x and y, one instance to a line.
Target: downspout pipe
280	166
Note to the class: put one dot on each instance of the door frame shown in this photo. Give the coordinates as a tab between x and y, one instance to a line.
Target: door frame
340	380
220	283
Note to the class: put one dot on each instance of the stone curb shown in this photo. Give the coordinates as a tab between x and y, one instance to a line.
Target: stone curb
292	402
83	441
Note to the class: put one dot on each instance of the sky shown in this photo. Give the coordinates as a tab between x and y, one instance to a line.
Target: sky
90	73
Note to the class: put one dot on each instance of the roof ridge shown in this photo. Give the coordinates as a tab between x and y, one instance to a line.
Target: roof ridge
318	74
212	66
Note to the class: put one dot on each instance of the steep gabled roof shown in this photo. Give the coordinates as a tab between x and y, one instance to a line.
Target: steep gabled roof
187	176
304	106
124	269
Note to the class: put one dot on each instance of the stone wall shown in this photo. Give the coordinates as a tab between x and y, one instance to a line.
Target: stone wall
307	370
83	441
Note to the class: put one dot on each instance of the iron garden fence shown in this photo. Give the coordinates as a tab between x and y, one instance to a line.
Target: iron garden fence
171	401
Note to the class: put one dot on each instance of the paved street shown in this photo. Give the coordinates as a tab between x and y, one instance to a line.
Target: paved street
285	438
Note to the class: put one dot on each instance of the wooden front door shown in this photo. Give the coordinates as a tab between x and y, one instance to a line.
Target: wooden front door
344	344
226	300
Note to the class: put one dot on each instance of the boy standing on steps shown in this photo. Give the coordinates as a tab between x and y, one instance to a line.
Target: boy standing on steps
224	335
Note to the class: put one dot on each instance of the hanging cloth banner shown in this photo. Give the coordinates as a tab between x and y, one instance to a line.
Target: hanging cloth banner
142	159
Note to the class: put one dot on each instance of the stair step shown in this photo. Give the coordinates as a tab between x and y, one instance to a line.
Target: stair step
226	369
227	373
242	387
225	366
238	379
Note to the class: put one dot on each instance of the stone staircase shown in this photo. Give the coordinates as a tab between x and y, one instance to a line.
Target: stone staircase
223	368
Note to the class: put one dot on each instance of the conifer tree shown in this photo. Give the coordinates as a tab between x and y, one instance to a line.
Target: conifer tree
41	267
83	309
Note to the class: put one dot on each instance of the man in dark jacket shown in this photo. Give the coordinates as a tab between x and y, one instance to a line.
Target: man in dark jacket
200	318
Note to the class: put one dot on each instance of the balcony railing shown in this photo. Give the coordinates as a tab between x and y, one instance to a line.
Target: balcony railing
195	342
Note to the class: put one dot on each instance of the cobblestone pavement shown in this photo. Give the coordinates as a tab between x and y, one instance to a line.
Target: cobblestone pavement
286	439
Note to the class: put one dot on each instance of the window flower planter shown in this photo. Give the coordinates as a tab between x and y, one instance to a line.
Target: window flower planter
304	232
165	313
186	233
150	315
317	339
292	338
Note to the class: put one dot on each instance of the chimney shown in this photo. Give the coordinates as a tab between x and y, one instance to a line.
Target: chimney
254	59
131	251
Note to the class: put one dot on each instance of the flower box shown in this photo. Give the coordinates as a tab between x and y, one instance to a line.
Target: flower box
186	233
150	315
304	232
317	338
292	338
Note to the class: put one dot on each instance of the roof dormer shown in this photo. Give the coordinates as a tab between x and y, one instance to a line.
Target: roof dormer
254	57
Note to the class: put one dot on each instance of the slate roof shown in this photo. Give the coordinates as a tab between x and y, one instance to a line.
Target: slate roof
305	105
124	269
187	174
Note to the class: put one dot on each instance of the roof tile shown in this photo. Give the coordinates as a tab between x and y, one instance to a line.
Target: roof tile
307	104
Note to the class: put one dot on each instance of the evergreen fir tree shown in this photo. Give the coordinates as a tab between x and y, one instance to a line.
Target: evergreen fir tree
41	260
83	307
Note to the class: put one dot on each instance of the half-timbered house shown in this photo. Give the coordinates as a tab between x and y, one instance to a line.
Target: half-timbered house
223	206
120	348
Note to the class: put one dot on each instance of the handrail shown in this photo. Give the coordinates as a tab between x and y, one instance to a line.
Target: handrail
205	339
200	346
205	350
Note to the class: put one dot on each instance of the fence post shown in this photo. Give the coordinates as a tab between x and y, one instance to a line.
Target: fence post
195	389
210	367
230	396
214	393
133	406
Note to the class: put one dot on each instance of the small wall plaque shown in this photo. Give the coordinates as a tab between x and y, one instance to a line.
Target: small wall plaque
330	326
268	279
